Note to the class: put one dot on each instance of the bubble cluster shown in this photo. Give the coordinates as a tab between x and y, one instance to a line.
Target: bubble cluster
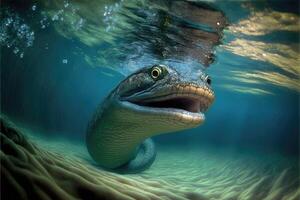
67	14
58	15
108	15
44	22
15	33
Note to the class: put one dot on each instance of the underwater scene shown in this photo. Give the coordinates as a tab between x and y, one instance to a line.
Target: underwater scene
150	99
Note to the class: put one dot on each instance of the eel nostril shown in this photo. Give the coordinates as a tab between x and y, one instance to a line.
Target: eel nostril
208	80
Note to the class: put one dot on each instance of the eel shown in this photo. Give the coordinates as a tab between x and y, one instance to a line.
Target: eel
153	100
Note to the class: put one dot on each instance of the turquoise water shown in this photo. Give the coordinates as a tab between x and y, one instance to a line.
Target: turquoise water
60	59
54	76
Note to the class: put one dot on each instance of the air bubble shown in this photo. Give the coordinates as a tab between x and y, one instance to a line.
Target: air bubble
66	4
79	24
65	61
16	50
55	18
15	33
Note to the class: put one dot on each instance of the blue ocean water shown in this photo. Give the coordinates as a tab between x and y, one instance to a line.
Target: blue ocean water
58	62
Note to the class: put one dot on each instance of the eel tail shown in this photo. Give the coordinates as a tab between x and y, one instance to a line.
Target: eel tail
144	158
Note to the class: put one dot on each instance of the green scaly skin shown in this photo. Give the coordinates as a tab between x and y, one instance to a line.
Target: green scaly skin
151	101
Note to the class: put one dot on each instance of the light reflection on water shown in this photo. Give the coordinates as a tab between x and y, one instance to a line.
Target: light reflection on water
126	35
284	57
127	31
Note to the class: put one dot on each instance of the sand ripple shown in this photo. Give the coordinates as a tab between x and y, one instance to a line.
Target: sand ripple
30	171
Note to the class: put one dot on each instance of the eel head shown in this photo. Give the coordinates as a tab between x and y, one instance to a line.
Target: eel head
166	95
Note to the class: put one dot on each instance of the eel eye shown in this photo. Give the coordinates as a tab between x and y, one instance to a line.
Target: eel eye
208	80
155	72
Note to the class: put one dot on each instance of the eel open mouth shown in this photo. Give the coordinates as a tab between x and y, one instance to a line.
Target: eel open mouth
182	99
184	103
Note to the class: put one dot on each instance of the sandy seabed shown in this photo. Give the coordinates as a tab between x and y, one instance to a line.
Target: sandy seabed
36	168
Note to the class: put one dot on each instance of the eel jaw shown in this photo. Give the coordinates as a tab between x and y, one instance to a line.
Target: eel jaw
185	104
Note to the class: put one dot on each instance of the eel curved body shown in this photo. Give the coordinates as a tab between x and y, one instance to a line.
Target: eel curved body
151	101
